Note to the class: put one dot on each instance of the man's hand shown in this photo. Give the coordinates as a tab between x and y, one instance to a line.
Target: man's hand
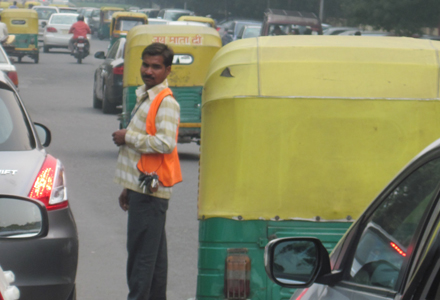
119	137
123	200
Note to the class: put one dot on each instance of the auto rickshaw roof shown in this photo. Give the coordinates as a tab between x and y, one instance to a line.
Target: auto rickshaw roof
143	35
19	13
112	8
129	14
326	67
197	19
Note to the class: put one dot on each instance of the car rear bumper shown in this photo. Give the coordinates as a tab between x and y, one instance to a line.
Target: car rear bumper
45	268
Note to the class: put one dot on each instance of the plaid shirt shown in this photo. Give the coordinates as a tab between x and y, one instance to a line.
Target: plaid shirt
138	141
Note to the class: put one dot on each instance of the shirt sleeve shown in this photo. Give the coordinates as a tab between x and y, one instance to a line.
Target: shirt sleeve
164	141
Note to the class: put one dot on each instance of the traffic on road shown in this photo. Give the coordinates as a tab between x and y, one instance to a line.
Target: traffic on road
307	152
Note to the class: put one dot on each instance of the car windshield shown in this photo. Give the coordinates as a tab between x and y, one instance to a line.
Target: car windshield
251	32
63	19
174	15
44	13
126	25
15	132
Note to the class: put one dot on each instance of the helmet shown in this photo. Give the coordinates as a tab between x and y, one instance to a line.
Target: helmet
80	18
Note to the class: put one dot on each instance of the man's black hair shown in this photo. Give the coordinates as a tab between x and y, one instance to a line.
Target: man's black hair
160	49
80	18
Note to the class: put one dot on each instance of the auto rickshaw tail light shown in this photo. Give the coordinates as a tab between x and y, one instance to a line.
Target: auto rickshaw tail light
118	70
49	186
14	77
237	274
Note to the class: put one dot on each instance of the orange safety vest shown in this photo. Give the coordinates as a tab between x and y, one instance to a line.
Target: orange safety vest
166	166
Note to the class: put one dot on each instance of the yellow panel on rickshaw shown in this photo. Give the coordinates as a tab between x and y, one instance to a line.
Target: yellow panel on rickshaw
125	15
313	126
201	43
20	20
204	20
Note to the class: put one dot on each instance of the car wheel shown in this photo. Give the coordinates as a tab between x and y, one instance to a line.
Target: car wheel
107	107
45	49
96	102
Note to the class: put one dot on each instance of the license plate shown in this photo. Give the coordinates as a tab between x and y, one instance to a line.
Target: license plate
80	45
64	31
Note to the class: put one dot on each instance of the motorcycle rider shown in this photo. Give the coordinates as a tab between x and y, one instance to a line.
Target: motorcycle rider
80	28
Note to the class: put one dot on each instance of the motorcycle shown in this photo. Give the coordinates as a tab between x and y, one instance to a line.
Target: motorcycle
80	50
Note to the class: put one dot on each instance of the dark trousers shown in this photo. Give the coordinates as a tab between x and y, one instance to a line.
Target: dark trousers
147	262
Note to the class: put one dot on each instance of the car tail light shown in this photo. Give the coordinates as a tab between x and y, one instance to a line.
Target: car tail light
237	274
14	77
118	70
49	186
51	29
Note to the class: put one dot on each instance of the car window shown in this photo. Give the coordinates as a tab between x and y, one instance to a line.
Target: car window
251	32
113	50
63	19
388	237
95	13
15	133
45	13
121	48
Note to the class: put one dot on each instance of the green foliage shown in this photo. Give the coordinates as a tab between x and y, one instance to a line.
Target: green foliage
405	17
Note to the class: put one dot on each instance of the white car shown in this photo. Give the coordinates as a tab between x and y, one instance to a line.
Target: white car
44	13
7	291
7	67
56	33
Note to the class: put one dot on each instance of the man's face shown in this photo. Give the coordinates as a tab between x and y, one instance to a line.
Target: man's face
153	70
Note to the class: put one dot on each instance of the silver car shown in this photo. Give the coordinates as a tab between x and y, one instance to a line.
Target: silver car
45	264
392	252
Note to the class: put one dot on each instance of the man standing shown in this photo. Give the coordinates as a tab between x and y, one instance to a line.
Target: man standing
147	151
3	31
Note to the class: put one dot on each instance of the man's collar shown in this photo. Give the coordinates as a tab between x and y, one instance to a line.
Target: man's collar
152	93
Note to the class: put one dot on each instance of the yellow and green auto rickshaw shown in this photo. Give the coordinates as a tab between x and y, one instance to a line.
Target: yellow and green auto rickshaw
299	134
204	20
194	47
23	24
30	4
122	22
105	18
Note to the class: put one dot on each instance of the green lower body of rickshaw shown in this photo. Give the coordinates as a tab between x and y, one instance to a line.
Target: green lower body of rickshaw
24	45
218	235
189	99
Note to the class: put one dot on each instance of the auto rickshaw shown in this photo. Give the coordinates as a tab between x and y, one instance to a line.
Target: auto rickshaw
194	47
204	20
299	134
30	4
122	22
23	24
105	17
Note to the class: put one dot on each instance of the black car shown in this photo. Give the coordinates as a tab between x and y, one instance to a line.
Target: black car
391	252
44	264
107	87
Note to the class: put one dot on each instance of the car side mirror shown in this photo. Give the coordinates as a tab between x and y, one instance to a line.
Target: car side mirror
296	262
22	217
43	134
43	24
100	55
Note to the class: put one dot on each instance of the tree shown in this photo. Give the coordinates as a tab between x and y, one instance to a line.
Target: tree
404	17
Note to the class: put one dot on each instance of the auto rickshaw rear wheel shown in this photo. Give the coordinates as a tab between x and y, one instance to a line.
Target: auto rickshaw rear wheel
36	58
